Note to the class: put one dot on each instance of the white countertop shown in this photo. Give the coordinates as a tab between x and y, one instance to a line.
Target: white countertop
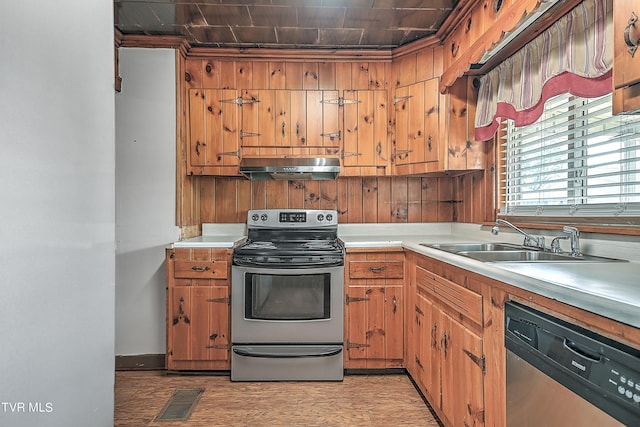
607	289
215	236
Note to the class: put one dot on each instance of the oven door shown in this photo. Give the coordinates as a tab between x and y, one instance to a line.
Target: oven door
287	305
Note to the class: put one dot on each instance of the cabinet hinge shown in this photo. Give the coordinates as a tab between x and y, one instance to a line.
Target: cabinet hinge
419	363
419	311
351	345
221	346
244	134
349	154
348	299
340	101
397	99
225	300
332	135
401	154
240	101
228	153
480	361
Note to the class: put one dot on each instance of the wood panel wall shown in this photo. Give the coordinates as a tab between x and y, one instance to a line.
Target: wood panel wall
357	199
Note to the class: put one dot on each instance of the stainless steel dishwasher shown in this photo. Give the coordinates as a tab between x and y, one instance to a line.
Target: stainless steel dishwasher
559	374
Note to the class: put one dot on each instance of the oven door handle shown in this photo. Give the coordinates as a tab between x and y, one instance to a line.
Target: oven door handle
268	354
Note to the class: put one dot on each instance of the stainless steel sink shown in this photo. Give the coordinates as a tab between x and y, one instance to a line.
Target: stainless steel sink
507	252
465	247
530	256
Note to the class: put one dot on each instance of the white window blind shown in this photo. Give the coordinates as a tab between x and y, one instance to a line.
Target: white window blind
576	160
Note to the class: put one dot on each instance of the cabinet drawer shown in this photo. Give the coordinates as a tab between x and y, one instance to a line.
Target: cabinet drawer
384	269
201	270
462	300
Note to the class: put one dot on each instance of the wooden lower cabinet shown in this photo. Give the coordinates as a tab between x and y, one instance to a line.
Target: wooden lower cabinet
198	315
445	345
374	308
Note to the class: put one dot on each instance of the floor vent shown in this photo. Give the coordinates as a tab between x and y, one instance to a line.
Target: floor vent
180	405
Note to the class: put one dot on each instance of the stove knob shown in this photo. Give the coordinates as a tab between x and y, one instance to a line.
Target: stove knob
255	217
320	217
263	217
329	217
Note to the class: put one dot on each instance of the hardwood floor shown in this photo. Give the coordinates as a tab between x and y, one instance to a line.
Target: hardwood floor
359	400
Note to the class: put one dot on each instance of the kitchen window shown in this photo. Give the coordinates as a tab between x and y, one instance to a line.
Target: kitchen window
577	159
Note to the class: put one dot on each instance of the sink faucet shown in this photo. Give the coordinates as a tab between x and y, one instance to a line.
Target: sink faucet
573	235
529	240
574	238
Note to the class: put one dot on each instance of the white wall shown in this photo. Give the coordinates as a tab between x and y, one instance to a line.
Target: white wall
145	196
57	219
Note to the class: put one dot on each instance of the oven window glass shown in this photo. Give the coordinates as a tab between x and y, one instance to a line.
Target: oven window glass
287	297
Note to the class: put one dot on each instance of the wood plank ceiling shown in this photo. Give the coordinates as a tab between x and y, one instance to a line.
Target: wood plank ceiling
296	24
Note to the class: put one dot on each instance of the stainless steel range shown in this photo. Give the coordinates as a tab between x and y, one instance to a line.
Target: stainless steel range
286	298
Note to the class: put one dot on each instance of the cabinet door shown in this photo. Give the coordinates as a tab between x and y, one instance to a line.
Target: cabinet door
416	123
462	374
401	111
218	331
213	131
179	345
433	142
365	130
282	118
420	344
328	131
298	122
365	323
418	119
200	323
433	353
393	323
255	127
197	140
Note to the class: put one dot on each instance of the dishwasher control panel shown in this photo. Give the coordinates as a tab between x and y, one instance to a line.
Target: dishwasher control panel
625	383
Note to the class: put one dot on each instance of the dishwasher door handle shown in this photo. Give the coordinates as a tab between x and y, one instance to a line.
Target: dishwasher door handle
575	349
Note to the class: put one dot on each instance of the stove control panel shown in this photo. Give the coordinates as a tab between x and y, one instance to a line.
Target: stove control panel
292	218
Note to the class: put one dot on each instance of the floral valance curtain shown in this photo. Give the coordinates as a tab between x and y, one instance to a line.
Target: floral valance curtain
572	56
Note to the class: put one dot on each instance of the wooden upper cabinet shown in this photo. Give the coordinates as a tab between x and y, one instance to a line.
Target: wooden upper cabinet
434	131
213	132
626	63
365	149
285	122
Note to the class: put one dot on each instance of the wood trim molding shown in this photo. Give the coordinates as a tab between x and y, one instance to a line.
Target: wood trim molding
140	362
415	47
304	55
455	17
166	42
117	37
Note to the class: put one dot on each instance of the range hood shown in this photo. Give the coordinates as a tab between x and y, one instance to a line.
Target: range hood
290	168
